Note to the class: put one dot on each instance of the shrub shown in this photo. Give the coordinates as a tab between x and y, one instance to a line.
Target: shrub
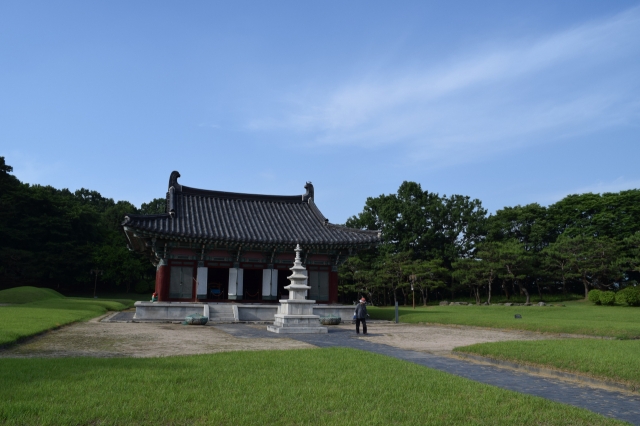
607	297
594	296
629	295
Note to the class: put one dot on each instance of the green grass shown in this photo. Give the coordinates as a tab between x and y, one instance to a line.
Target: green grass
577	318
49	310
615	360
334	386
27	294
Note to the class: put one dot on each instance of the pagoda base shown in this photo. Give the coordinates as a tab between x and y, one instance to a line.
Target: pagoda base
297	330
297	324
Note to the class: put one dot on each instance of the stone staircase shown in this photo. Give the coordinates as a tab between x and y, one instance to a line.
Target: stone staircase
221	312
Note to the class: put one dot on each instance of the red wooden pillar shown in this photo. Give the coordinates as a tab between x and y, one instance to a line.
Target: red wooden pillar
162	281
333	287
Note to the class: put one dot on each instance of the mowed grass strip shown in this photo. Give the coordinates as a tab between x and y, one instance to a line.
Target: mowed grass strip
576	318
49	311
333	386
615	360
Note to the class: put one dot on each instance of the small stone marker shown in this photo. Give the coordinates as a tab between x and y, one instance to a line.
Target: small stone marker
542	304
518	316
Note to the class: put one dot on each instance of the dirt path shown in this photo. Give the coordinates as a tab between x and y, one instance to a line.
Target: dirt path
108	339
439	339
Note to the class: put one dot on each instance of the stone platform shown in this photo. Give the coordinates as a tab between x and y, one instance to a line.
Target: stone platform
227	312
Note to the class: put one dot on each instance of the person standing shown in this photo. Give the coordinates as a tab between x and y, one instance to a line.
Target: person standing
361	316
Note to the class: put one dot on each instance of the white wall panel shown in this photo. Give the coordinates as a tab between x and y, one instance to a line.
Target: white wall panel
233	281
201	290
266	282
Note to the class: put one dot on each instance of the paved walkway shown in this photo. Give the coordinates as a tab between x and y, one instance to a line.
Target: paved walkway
609	403
126	316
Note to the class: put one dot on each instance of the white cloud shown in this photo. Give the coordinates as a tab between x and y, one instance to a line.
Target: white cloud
617	185
28	170
600	187
523	92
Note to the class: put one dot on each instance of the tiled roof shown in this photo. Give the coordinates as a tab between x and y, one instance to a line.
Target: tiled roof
226	217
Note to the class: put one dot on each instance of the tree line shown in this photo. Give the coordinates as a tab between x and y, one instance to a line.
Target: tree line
445	247
54	237
442	246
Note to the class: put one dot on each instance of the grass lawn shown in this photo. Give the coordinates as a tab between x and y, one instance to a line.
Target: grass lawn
317	386
578	317
616	360
36	310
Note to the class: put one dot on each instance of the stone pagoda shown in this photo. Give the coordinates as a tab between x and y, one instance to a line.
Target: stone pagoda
295	314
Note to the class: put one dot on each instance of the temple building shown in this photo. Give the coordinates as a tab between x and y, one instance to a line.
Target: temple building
214	246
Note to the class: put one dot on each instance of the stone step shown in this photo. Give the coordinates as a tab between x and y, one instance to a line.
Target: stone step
222	319
221	313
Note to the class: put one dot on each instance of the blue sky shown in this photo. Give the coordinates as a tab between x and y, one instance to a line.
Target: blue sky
509	102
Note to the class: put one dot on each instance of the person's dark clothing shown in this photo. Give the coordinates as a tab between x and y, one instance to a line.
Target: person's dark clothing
364	325
361	311
361	317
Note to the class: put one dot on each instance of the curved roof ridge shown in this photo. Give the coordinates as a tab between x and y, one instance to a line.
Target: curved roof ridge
207	215
187	190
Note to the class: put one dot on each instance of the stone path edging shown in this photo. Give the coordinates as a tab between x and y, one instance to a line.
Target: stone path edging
580	378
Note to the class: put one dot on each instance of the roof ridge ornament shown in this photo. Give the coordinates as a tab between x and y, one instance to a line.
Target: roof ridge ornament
309	194
171	198
173	180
